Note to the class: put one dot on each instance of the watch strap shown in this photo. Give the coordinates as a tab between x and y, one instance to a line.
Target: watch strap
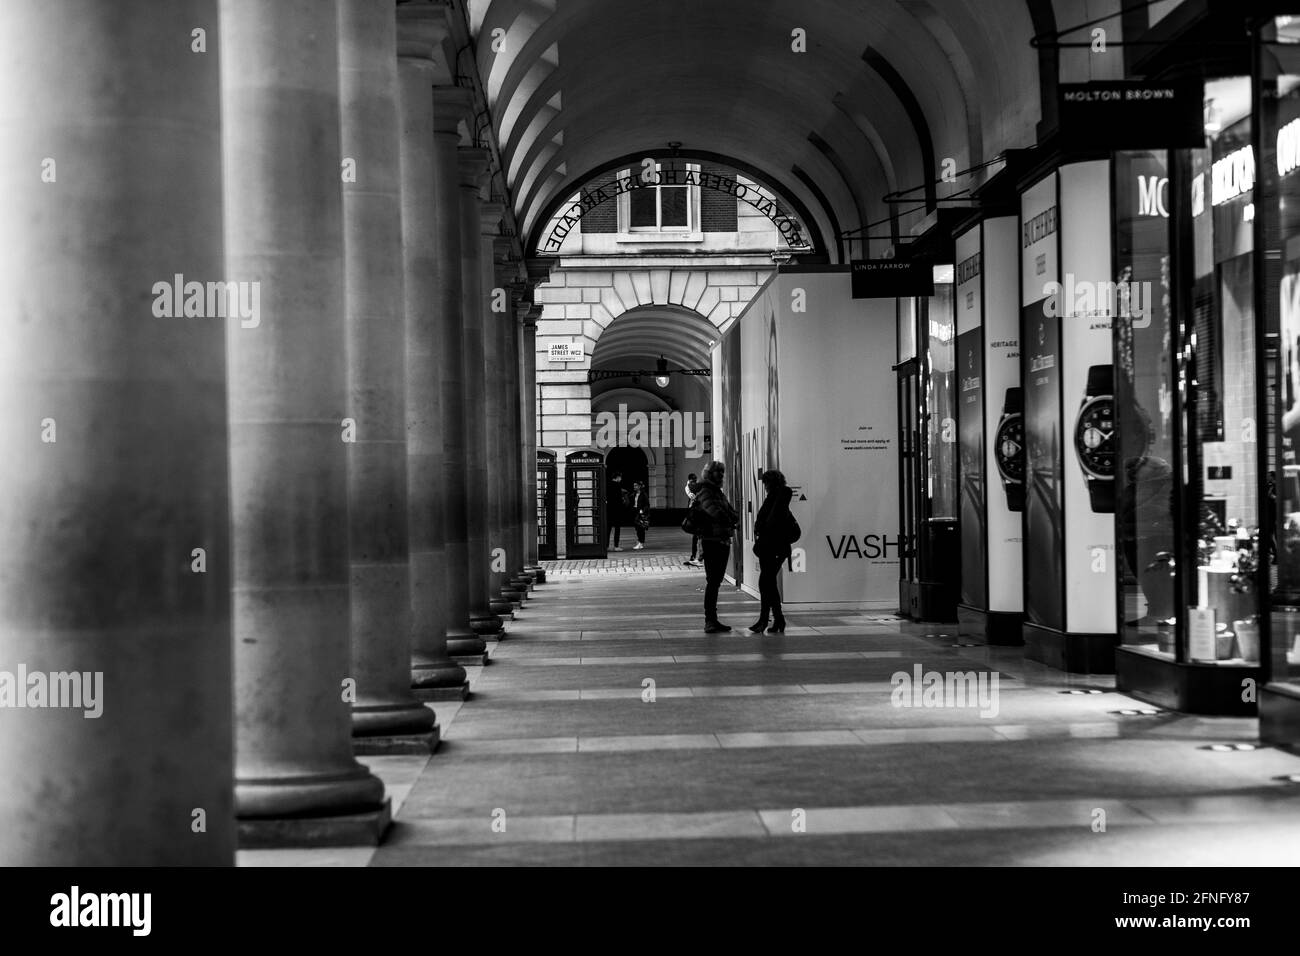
1101	381
1101	491
1015	495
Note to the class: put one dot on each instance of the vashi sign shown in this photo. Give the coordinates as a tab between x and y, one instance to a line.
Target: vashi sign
565	352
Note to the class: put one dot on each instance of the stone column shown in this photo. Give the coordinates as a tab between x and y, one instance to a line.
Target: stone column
491	214
114	437
503	320
528	434
386	717
421	65
519	577
296	779
483	618
451	105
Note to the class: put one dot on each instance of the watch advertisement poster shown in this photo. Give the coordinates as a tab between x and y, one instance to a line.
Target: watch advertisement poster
1004	415
970	421
1044	527
1086	302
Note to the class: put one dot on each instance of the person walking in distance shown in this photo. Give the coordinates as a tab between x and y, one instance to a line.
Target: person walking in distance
640	513
614	507
775	530
716	521
695	538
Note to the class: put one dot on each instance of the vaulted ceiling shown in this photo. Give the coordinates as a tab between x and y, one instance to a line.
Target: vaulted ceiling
881	93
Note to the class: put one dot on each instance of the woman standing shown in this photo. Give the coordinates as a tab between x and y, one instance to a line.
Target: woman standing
640	512
773	535
716	521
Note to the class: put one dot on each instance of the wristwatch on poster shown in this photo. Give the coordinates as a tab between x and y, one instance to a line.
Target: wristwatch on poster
1009	448
1094	438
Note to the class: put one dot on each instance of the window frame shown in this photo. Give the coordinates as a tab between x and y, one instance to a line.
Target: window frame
692	232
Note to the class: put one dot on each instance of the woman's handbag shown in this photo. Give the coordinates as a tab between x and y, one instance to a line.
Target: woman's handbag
642	520
690	524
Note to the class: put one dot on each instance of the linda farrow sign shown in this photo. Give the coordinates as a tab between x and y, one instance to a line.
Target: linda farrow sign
887	278
672	176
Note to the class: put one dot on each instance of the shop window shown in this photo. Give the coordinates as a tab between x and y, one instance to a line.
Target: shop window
1188	510
1280	281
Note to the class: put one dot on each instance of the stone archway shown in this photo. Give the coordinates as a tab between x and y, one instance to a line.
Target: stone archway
582	300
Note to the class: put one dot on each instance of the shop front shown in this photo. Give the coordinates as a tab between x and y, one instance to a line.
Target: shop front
1277	99
930	569
1191	478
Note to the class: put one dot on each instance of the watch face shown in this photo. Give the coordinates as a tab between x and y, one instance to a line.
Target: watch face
1010	443
1094	437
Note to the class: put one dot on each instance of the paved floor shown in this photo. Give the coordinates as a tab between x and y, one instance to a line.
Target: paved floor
665	549
609	729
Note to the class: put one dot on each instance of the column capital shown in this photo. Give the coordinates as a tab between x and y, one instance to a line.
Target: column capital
539	269
527	313
473	162
451	104
422	30
490	216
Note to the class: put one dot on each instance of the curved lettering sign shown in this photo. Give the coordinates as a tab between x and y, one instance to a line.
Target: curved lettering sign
590	199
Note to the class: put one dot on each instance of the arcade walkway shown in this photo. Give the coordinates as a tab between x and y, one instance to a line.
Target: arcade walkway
557	741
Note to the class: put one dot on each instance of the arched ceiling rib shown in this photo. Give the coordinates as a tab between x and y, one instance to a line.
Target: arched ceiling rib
577	82
639	336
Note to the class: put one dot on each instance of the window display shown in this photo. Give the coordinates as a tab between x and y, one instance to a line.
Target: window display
1188	514
1221	429
1280	294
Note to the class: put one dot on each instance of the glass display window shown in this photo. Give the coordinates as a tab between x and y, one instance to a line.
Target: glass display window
941	397
1148	442
1279	297
1220	427
1188	515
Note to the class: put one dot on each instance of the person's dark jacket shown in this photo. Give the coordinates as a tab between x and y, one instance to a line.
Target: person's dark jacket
772	526
614	499
717	519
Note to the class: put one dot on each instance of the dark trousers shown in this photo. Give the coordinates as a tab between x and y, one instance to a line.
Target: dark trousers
715	554
695	545
769	566
640	534
615	526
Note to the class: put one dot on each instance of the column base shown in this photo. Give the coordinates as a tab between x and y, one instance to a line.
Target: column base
386	745
400	719
465	645
442	673
486	625
538	573
473	660
365	828
350	791
459	692
502	608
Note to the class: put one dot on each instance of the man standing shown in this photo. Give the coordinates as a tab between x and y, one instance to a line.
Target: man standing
614	507
695	538
717	522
